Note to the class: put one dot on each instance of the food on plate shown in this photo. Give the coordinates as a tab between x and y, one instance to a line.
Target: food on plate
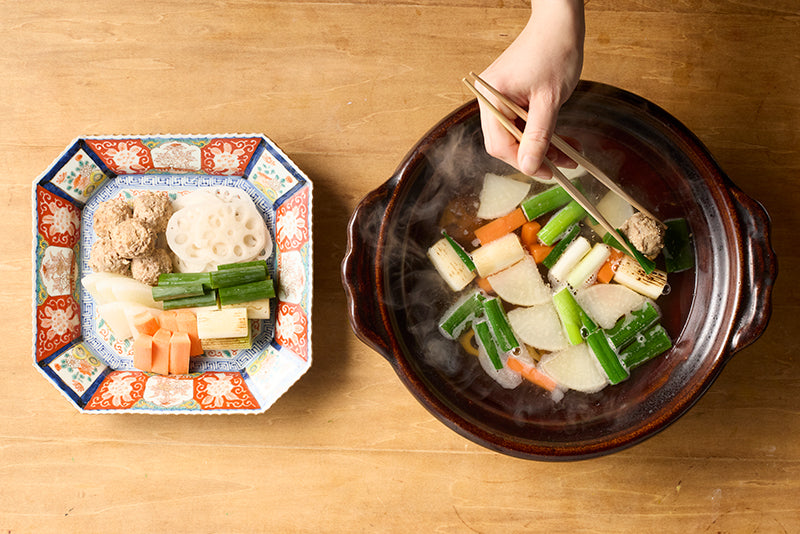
133	238
550	298
153	208
128	235
109	214
224	327
216	227
104	258
219	242
149	267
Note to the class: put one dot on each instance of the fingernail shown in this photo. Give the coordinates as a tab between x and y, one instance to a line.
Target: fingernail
527	165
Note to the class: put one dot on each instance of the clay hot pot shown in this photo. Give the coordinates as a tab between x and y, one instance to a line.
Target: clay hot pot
712	311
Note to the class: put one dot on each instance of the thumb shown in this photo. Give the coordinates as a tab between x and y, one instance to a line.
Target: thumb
535	140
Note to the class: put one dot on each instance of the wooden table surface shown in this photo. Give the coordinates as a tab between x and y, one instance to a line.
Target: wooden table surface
346	88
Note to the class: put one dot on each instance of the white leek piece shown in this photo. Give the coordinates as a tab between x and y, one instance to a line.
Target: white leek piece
630	274
227	323
569	259
584	272
449	265
256	309
497	255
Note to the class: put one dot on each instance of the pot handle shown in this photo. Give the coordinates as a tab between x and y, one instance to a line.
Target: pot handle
359	270
760	269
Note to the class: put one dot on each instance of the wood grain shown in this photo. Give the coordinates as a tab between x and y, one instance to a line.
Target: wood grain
346	88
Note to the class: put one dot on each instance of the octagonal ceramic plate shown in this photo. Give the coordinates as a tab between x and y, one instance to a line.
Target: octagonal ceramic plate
77	351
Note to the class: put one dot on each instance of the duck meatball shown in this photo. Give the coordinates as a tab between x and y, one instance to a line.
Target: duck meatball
109	214
146	269
645	234
104	258
153	208
133	238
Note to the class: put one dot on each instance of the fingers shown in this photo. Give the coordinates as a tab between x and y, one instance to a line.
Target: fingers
536	137
496	139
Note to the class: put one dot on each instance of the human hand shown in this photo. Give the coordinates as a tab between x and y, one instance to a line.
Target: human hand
538	71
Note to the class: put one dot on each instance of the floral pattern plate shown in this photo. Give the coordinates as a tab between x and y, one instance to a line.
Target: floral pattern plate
76	350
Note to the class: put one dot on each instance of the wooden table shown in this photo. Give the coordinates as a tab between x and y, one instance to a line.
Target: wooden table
346	88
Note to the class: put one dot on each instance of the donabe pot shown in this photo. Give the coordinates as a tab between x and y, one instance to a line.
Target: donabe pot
711	311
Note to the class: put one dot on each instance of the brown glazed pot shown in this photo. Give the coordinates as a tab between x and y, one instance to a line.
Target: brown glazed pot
711	312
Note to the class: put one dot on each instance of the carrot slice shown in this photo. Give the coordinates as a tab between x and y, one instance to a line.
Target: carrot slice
501	226
161	351
531	373
179	348
528	233
143	352
168	320
145	322
484	284
606	272
187	322
539	251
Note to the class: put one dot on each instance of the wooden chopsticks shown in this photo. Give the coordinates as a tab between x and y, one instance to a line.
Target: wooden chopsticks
567	149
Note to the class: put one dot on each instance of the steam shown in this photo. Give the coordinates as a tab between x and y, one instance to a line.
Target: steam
417	296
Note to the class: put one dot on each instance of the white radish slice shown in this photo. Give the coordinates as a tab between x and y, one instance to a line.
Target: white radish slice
497	255
521	284
500	195
606	303
507	378
615	209
575	368
572	174
539	327
102	294
118	315
131	290
110	287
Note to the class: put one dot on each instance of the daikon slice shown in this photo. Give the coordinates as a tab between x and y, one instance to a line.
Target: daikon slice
132	290
97	285
606	303
575	368
539	327
614	209
110	287
507	378
500	195
118	316
521	284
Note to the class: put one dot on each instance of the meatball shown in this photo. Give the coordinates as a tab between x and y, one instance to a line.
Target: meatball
153	208
147	268
133	238
104	258
109	214
645	234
